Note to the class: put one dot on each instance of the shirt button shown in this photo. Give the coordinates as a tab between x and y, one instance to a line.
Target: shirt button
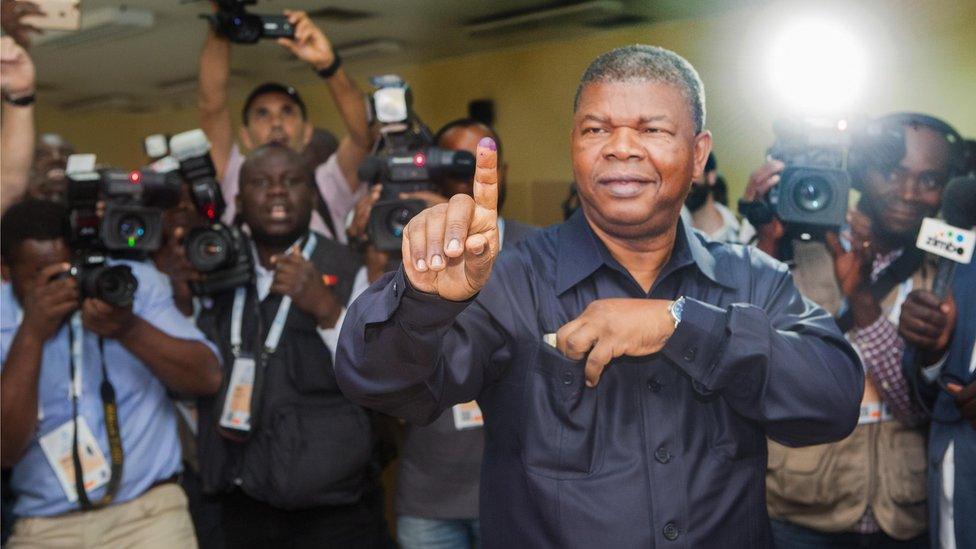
653	384
567	377
670	531
689	354
396	290
662	455
238	481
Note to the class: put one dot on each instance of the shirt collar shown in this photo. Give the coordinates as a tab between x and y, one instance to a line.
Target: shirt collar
580	253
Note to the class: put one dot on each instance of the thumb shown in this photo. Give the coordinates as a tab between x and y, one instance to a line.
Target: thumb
833	244
288	44
477	259
954	388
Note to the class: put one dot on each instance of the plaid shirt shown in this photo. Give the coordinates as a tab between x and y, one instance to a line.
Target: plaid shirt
881	350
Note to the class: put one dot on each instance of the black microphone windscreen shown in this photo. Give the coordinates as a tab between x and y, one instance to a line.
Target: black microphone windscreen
959	202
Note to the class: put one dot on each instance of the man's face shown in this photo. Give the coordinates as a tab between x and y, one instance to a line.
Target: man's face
897	201
47	179
276	196
183	215
29	259
466	139
635	153
275	118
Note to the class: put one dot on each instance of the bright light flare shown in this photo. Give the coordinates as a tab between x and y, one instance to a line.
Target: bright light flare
817	66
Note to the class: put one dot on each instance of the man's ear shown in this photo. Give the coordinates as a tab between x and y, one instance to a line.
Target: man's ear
703	146
5	271
245	138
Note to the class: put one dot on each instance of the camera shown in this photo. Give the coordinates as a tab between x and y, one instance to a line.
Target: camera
113	284
220	252
404	160
234	22
813	189
133	208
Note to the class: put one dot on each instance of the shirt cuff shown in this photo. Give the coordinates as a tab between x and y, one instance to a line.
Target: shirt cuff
687	347
931	373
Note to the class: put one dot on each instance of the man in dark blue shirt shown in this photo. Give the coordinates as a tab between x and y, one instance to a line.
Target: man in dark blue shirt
628	369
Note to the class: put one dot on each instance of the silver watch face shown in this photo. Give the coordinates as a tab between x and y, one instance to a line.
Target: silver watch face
676	308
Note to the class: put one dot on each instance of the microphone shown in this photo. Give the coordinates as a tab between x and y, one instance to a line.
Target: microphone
953	239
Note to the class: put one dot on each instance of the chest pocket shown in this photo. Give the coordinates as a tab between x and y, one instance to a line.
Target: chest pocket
562	435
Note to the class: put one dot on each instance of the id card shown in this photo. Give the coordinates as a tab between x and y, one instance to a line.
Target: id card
467	416
57	449
237	404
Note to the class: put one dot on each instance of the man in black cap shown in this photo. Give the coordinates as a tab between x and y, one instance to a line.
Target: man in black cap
275	113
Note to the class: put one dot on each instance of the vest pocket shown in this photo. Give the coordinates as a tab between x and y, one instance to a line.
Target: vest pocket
318	455
801	475
561	435
904	467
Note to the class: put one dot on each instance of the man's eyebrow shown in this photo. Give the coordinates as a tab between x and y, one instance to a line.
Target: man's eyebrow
595	118
654	118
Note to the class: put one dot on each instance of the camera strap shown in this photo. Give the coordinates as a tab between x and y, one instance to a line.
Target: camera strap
110	409
277	326
896	273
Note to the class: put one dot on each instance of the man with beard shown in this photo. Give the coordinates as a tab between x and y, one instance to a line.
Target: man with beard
705	212
628	369
290	458
870	487
275	113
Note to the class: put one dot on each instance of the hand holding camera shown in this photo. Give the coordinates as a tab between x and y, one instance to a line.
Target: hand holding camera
449	249
52	298
297	278
17	74
309	43
107	320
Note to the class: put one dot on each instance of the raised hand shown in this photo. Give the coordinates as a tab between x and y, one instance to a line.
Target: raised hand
16	69
310	43
11	13
297	278
449	249
49	301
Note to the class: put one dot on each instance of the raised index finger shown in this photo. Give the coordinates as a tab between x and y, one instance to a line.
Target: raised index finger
486	174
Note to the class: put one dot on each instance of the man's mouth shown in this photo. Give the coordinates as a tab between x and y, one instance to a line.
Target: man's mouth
278	212
624	185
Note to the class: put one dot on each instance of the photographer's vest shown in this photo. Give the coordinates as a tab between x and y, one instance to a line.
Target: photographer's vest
308	445
828	487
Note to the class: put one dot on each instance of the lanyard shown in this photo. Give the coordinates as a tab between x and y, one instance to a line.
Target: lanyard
274	334
109	408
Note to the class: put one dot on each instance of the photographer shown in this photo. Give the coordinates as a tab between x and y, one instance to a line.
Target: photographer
290	458
870	487
440	466
17	79
703	209
275	113
84	388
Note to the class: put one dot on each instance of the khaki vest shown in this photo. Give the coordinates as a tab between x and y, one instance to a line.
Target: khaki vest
829	486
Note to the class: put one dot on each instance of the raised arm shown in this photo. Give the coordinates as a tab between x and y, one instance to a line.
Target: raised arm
215	118
313	46
428	345
17	82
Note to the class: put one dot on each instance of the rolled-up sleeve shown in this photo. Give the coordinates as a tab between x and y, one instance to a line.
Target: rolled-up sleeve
783	364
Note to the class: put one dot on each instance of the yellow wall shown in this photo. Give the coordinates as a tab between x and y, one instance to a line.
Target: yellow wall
922	60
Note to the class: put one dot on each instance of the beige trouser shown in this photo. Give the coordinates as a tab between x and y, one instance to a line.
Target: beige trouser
158	518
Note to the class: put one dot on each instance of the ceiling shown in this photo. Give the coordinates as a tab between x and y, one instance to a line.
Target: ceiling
145	68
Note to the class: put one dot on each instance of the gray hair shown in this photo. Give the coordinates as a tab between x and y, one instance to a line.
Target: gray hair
642	63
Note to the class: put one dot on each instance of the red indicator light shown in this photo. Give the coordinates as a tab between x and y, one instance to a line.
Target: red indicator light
134	177
419	160
211	211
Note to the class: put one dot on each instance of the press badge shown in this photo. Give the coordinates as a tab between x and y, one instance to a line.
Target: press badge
467	416
57	447
237	402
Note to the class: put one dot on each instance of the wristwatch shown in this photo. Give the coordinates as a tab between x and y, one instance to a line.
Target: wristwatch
21	101
675	308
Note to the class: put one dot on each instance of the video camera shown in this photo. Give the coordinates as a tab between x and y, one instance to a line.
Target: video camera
130	224
234	22
218	251
403	160
812	193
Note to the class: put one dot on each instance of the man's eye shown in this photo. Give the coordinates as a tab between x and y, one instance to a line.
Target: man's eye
294	181
593	130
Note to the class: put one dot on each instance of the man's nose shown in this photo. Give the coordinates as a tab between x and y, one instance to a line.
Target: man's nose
623	144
